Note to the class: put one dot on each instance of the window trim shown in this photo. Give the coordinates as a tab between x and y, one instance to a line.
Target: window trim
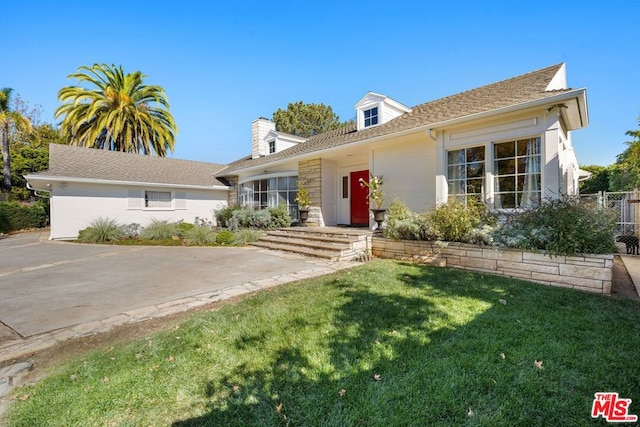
371	117
146	200
271	144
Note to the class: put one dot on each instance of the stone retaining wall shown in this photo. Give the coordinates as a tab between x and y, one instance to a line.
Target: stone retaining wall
591	273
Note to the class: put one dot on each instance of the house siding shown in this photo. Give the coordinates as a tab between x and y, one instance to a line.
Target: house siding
74	206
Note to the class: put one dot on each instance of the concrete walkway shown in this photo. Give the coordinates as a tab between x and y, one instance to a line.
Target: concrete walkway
632	263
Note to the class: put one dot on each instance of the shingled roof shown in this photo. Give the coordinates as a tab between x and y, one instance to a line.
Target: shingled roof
514	91
102	165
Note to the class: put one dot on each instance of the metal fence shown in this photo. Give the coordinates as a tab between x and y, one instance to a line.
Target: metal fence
625	203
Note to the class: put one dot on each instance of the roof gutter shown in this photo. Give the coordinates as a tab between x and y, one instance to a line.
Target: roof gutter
114	182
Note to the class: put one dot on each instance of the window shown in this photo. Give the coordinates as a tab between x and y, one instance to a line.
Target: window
517	174
272	146
157	199
270	193
371	117
466	172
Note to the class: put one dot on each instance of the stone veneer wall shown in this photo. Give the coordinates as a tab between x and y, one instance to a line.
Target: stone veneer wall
591	273
310	174
232	198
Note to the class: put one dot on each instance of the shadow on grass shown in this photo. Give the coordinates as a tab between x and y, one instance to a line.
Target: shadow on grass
419	352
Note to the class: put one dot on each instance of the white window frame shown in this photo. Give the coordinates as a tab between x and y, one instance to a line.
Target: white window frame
377	116
485	174
271	146
495	176
152	200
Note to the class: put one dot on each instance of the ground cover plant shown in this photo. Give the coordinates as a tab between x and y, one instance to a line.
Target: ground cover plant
387	343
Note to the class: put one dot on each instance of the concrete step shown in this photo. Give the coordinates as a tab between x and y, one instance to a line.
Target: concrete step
318	236
318	253
321	244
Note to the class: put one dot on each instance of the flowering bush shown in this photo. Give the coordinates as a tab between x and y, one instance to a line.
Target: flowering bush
559	227
376	195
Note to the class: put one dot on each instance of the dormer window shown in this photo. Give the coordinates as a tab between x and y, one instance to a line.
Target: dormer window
272	146
371	117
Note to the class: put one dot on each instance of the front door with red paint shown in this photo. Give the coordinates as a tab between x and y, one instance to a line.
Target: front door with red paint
359	198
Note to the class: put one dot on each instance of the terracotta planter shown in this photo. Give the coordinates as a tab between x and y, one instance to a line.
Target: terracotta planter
378	217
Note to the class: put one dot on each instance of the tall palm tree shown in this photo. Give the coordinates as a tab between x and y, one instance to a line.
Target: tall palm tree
117	112
8	118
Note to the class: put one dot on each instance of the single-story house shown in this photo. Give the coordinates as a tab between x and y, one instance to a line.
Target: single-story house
508	144
86	184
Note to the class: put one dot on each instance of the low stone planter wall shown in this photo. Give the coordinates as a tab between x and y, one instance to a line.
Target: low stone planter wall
591	273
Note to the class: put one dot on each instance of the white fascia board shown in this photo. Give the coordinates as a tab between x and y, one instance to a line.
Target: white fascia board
577	95
129	183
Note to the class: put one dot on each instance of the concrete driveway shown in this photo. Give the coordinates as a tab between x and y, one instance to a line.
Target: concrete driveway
47	286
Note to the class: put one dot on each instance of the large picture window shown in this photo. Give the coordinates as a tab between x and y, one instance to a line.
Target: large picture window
517	174
270	193
157	199
466	173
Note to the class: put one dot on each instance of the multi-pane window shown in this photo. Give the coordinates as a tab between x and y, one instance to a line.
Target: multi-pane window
517	174
157	199
270	193
371	117
272	146
466	172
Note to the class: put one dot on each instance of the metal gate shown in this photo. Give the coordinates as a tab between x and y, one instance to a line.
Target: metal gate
626	204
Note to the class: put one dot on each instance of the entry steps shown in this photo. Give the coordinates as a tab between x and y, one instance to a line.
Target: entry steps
333	243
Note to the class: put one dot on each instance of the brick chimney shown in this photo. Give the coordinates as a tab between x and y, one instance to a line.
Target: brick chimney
259	130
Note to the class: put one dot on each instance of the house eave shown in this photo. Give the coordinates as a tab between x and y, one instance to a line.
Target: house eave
54	179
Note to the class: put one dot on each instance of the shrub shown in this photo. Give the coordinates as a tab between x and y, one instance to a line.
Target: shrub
280	217
183	227
562	227
101	230
453	220
225	237
131	231
401	222
199	235
16	216
160	229
224	215
246	236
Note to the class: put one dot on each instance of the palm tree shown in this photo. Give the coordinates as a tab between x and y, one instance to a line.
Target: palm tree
8	118
119	112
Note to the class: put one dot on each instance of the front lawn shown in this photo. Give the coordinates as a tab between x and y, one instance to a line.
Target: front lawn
384	344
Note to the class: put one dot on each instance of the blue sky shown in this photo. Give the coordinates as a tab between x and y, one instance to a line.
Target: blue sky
223	65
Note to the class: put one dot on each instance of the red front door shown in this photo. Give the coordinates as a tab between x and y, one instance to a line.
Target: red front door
359	198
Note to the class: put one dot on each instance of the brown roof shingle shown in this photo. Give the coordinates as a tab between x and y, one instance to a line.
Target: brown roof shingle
96	164
517	90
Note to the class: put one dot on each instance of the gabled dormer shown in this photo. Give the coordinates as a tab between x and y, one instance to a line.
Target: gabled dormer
375	109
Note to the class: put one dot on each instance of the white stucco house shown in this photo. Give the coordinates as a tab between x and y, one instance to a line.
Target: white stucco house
85	184
508	144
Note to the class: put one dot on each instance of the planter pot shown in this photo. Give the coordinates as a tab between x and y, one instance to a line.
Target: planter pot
304	215
378	217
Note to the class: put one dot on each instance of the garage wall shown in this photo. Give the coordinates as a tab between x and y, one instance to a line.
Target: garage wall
75	205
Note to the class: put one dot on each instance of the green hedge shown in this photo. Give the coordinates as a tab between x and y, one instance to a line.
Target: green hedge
16	216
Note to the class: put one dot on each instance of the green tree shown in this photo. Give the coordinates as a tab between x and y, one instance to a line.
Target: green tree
9	120
306	120
625	173
116	112
599	180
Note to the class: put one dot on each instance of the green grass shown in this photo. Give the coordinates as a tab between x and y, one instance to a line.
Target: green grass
441	340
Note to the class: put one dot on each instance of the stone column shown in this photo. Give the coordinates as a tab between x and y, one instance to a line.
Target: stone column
310	175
